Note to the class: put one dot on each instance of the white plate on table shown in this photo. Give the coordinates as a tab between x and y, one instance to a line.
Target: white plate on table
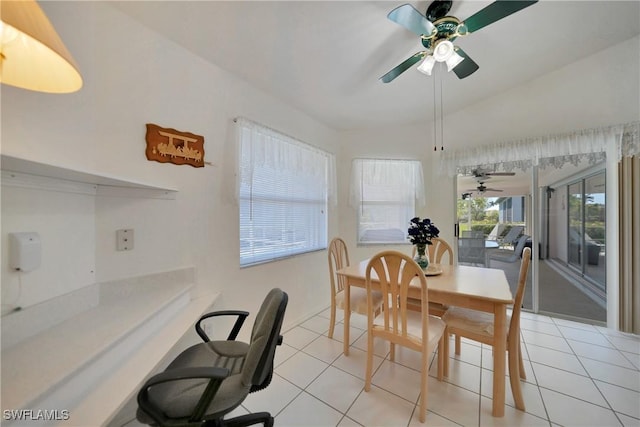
433	270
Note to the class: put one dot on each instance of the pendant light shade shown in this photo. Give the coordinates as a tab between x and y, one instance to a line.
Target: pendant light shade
32	55
453	61
426	66
444	51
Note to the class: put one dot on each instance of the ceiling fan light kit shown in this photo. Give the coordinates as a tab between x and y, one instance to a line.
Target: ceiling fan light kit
437	32
426	66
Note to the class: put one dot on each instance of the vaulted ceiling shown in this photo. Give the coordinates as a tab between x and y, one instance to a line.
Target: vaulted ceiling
325	57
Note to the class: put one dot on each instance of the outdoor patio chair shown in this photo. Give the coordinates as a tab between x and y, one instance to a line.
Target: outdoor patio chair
471	250
511	237
496	232
508	255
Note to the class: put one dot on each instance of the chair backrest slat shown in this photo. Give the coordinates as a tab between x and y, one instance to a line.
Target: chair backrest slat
338	258
395	272
437	250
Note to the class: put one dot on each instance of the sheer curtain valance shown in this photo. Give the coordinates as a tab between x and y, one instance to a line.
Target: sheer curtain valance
278	151
554	150
386	179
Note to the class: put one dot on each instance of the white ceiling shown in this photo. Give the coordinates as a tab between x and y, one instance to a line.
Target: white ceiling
325	57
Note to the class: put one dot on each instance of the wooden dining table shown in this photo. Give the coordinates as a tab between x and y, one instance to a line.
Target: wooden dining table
477	288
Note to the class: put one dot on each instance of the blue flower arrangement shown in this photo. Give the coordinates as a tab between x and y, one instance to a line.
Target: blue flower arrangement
421	231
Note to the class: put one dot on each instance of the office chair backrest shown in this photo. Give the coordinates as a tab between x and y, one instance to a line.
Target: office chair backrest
265	336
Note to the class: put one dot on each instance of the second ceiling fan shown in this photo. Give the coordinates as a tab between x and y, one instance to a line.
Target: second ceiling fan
481	189
437	32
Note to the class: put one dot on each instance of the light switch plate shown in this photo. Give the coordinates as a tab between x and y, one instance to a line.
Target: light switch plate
124	239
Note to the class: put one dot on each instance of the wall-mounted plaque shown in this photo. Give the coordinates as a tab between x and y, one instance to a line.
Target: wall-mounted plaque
166	145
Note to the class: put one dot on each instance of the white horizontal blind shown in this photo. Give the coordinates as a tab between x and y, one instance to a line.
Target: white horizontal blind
282	194
385	193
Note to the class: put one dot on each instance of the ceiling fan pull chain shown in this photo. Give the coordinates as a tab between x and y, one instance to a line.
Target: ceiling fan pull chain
435	121
441	118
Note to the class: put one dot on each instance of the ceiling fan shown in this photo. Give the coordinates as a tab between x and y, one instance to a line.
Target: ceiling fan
482	175
437	32
481	189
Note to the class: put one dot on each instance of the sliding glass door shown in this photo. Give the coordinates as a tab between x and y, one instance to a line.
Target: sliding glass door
594	233
576	224
587	228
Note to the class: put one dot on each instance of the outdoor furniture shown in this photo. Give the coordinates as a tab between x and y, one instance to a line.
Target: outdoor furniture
472	233
508	255
511	236
593	248
471	250
496	232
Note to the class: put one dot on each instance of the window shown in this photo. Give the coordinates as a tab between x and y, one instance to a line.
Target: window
283	188
385	193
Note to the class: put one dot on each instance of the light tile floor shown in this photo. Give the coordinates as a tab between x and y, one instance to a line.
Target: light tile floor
577	375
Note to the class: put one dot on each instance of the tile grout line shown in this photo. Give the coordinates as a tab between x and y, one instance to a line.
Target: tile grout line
610	407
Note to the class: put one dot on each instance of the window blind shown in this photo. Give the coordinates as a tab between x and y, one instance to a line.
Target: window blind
282	194
385	193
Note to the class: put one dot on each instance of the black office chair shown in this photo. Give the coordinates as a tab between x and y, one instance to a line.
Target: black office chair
209	380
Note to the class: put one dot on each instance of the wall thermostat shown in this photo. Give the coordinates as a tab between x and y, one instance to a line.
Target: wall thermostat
24	251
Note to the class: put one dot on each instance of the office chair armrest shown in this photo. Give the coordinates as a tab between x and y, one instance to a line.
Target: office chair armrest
216	375
242	316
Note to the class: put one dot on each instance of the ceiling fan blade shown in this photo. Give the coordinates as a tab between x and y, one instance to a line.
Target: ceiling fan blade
466	67
493	189
501	173
410	18
404	66
494	12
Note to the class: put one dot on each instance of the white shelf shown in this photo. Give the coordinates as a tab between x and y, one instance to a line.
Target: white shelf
29	174
98	359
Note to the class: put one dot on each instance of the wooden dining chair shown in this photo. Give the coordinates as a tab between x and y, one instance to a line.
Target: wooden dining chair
437	251
479	326
393	272
339	258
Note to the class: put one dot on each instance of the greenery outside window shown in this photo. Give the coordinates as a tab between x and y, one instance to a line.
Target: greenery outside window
283	192
385	193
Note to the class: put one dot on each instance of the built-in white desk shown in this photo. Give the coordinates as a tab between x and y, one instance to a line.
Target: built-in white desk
92	363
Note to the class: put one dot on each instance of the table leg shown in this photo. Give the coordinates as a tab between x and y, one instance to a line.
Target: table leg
499	358
347	318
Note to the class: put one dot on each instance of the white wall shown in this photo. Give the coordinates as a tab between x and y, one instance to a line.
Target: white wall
600	90
402	142
66	225
133	77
